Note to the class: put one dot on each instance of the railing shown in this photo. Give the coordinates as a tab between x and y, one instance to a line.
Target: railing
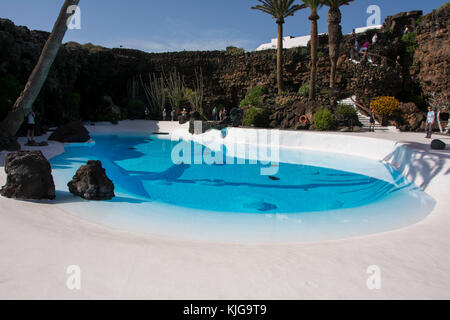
367	111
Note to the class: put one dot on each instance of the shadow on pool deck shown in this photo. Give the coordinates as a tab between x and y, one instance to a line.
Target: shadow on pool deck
418	162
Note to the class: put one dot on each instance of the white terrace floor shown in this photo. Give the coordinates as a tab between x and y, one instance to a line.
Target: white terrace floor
39	241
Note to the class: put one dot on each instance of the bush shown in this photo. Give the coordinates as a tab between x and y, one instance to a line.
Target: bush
409	40
234	51
254	97
304	90
10	89
347	112
385	106
258	117
284	100
323	120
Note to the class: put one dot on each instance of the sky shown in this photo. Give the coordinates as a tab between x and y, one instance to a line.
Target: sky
177	25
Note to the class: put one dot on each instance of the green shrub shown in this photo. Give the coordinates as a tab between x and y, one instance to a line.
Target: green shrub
409	40
285	100
304	90
10	89
323	120
254	97
258	117
234	51
347	112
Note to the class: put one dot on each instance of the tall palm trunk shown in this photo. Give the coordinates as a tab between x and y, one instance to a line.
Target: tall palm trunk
280	57
334	38
24	103
314	43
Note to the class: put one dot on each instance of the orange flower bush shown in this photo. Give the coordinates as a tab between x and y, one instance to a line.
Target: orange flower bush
385	106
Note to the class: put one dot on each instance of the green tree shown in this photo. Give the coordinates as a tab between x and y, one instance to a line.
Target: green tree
279	10
314	6
334	34
24	103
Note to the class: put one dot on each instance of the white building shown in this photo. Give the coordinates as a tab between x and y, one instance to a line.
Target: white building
294	42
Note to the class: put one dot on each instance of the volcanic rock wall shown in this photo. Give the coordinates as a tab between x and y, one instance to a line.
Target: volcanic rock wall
431	67
94	71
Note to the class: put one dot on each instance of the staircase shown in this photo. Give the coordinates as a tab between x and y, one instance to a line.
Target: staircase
365	120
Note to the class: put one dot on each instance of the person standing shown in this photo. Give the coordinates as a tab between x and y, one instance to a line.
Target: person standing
365	49
431	116
356	48
214	114
375	39
220	115
172	114
164	114
31	124
372	120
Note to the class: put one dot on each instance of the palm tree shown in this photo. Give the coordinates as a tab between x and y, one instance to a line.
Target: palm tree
314	6
334	33
24	103
280	10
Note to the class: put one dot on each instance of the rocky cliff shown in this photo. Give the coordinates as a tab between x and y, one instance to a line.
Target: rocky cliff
431	66
94	72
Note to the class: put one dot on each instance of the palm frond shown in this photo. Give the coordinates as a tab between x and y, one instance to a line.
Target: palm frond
278	9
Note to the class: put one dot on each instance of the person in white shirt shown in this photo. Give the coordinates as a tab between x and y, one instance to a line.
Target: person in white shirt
375	39
431	116
30	126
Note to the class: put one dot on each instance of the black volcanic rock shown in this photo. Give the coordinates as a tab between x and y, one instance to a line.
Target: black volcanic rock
71	132
29	176
437	145
91	183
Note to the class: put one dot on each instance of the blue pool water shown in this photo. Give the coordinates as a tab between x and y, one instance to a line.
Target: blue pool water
311	195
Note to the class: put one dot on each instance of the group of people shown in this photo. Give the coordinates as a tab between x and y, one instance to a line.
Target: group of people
219	115
364	49
172	114
431	118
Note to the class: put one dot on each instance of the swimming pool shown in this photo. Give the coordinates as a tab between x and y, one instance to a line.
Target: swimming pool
221	195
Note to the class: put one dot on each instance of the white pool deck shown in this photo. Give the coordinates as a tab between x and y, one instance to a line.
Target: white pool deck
38	241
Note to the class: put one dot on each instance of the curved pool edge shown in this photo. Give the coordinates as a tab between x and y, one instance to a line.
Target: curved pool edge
416	258
288	139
